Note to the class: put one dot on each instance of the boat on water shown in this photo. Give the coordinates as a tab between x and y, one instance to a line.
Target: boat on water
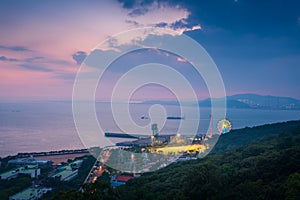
175	117
169	117
144	117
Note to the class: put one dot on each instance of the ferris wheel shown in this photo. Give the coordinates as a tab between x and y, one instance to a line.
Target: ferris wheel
224	126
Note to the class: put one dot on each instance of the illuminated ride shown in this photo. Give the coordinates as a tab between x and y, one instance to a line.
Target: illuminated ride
224	126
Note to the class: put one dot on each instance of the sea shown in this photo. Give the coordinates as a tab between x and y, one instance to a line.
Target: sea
42	126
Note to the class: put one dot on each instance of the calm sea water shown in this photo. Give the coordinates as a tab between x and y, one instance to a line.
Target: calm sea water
47	126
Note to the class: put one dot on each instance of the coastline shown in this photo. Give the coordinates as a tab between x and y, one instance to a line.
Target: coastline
53	153
58	159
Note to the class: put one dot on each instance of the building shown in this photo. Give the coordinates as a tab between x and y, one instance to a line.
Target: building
66	175
146	142
76	164
69	171
120	180
32	170
9	174
29	161
30	194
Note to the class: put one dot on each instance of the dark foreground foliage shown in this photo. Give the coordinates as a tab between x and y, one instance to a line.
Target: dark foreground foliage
12	186
252	163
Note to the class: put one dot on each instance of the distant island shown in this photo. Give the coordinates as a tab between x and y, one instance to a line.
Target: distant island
245	101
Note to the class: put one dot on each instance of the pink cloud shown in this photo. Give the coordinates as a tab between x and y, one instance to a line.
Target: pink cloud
54	34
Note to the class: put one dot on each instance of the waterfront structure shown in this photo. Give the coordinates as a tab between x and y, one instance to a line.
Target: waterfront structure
172	144
146	142
171	147
30	194
53	153
32	170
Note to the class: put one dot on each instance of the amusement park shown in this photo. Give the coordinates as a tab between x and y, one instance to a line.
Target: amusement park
148	153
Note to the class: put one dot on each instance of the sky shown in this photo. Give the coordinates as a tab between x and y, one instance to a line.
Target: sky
255	44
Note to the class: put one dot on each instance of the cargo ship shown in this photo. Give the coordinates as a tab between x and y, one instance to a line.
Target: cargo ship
175	117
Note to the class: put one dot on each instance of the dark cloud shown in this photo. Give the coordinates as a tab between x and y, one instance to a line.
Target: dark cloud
162	25
138	12
14	48
179	24
35	68
4	58
127	3
184	23
132	22
41	59
34	58
263	18
79	57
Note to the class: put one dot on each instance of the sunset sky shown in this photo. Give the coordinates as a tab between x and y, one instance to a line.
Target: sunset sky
254	43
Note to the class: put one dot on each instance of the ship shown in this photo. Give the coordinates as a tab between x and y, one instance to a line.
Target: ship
144	117
175	117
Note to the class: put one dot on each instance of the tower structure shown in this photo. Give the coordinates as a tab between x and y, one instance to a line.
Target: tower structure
154	130
154	134
210	127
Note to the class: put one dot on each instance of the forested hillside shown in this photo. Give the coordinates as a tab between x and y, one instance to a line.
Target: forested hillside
252	163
